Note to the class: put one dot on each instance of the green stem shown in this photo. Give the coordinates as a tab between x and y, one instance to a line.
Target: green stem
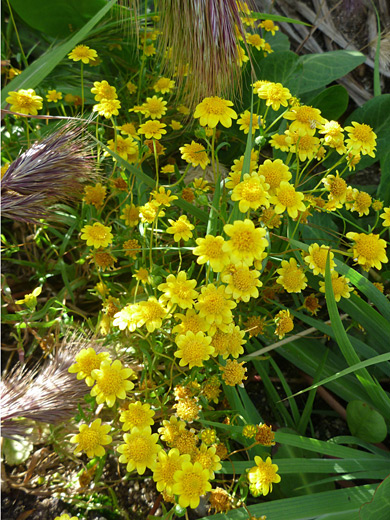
17	36
82	88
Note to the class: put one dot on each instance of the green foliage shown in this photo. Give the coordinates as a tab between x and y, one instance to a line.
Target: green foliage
365	422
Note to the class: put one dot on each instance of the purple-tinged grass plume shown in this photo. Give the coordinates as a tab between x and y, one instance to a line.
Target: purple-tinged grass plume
50	171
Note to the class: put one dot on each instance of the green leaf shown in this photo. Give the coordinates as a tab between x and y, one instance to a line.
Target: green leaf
378	508
365	422
276	18
278	66
383	192
332	102
60	18
37	71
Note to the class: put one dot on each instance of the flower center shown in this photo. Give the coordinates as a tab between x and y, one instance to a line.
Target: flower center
192	484
111	382
275	92
368	247
319	257
287	197
362	133
90	439
252	191
243	280
243	240
215	105
338	187
138	449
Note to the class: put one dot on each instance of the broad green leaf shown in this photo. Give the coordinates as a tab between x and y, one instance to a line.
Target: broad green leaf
365	422
332	102
37	71
60	18
378	508
278	66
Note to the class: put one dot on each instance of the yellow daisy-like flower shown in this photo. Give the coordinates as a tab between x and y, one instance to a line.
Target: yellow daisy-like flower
305	120
337	189
103	90
83	53
193	349
207	457
311	304
274	173
229	343
239	163
129	129
210	249
151	313
162	197
265	435
211	390
386	217
255	40
130	215
107	108
245	119
149	50
131	87
127	318
195	154
291	277
104	260
361	139
333	136
53	96
181	229
152	129
95	195
251	192
176	125
150	211
368	250
91	439
201	184
137	415
168	168
284	323
191	482
341	289
242	283
279	142
246	243
286	198
189	321
171	429
142	275
164	85
249	431
316	258
215	306
274	94
269	26
362	203
254	326
179	291
208	436
30	300
306	146
214	110
166	466
263	475
111	382
241	56
258	84
24	101
140	450
86	361
97	235
154	107
233	373
126	148
187	409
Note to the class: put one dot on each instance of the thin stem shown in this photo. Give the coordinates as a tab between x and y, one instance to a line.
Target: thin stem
17	36
82	88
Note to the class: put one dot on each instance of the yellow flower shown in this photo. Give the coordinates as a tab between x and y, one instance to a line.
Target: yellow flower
337	189
66	517
103	91
220	500
269	26
129	129
251	192
362	203
127	318
24	101
263	475
151	313
176	125
140	450
154	107
291	277
249	431
284	323
208	436
239	163
162	197
91	439
131	248
149	50
193	349
341	289
195	154
131	87
274	172
241	56
86	361
210	249
152	129
53	95
83	53
255	40
182	109
279	142
211	390
181	229
191	482
188	408
305	120
362	139
111	382
274	94
164	85
386	217
130	215
242	283
233	373
107	108
168	168
97	235
30	300
287	198
150	211
245	119
246	243
311	304
333	136
229	343
127	149
179	291
316	259
142	275
95	195
254	326
215	306
201	185
189	321
206	456
306	146
171	429
104	260
137	415
166	466
368	250
265	435
214	110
